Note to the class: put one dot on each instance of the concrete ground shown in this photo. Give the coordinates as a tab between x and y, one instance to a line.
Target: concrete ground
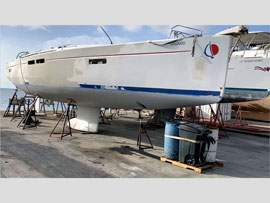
113	153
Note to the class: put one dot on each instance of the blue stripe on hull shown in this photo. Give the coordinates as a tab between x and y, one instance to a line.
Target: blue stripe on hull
153	90
245	90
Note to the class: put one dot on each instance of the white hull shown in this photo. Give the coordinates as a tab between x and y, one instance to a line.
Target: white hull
248	76
134	75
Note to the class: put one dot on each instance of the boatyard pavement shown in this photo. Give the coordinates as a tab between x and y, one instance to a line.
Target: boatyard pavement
113	153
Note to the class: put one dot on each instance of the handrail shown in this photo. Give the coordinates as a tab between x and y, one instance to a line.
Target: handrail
21	54
178	32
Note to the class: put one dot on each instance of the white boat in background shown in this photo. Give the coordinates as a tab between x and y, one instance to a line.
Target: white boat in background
249	68
158	74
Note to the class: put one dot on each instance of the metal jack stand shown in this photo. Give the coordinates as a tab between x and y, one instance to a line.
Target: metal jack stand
27	118
199	114
44	102
66	116
215	117
142	131
239	117
63	107
27	100
195	114
14	97
103	117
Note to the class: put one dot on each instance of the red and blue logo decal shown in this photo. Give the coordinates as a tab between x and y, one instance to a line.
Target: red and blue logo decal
211	50
265	69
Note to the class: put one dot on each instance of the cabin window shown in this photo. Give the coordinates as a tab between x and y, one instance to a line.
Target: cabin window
40	61
97	61
31	62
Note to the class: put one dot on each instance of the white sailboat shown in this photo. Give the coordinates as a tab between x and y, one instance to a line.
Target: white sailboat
249	68
158	74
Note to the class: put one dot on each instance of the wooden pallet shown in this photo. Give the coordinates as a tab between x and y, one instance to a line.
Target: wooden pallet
198	168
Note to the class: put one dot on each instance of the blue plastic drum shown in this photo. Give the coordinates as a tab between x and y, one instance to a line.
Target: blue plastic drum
171	146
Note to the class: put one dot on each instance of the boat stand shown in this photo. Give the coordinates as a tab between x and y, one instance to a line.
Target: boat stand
27	118
13	98
43	103
66	116
142	131
63	107
238	117
103	117
195	115
199	114
217	117
111	115
26	100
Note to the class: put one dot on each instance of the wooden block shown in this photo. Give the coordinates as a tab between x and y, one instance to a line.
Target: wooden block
219	163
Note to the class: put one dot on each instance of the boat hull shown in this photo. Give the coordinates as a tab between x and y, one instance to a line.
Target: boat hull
135	72
155	75
248	78
125	99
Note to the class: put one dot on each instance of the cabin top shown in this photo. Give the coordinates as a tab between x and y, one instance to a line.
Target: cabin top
254	38
240	33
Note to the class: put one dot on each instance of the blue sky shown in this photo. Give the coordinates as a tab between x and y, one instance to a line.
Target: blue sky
14	39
